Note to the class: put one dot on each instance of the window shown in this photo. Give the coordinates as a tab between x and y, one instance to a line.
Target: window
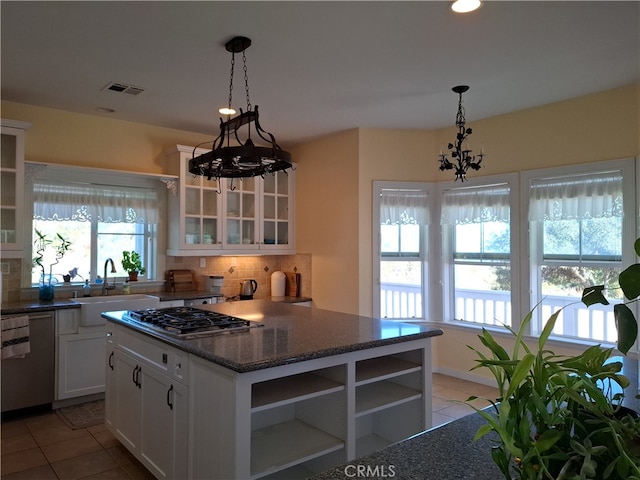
508	243
401	256
477	273
577	236
101	221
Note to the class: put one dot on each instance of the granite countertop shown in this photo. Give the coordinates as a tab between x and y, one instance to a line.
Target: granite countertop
290	334
443	453
32	306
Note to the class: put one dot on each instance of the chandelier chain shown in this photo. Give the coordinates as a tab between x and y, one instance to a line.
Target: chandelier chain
233	62
246	81
460	120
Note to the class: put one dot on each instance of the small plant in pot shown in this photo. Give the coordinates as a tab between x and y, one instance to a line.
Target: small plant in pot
132	264
59	246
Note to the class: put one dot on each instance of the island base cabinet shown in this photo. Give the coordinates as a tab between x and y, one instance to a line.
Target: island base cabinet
382	428
148	413
163	419
296	433
126	404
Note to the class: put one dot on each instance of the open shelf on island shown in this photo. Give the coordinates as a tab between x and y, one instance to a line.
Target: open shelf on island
379	368
381	395
294	388
283	445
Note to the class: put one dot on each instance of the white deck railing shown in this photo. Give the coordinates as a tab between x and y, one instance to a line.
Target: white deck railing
488	307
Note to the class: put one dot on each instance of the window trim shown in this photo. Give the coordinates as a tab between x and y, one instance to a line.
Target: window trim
448	263
378	187
160	182
531	230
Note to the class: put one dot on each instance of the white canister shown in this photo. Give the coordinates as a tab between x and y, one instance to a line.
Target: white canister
278	280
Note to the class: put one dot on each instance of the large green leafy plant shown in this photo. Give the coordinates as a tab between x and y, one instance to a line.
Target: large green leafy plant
558	417
629	280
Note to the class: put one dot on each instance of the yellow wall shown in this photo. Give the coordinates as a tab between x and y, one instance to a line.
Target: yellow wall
396	155
68	138
602	126
326	217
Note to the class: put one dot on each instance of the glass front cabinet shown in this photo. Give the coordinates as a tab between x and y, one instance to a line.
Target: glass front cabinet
249	215
12	192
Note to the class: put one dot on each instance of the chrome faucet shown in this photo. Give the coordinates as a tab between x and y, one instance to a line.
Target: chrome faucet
105	284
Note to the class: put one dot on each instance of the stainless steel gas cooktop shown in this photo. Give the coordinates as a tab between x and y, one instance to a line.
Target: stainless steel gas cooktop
189	322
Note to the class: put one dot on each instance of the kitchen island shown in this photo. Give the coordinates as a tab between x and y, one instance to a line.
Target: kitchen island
308	390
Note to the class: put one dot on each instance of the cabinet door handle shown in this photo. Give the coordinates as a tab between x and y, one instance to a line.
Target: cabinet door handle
169	397
138	383
109	362
134	376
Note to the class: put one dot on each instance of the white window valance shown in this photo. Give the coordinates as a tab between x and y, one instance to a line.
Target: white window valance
404	207
476	205
579	197
86	202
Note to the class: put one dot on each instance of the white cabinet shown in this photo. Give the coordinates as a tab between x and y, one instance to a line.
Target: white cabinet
146	405
297	420
80	356
389	400
241	214
12	189
278	211
250	215
289	421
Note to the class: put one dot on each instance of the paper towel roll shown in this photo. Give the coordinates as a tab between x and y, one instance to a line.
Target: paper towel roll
278	284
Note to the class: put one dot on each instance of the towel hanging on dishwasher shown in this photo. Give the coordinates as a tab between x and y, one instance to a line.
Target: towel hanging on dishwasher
15	337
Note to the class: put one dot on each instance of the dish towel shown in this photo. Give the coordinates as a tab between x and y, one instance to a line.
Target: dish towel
15	336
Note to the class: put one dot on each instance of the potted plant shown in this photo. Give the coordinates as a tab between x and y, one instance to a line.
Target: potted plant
558	417
132	264
60	246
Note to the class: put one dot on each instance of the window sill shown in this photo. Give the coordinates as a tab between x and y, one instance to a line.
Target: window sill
497	331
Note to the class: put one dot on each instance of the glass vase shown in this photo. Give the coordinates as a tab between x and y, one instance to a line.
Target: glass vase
45	292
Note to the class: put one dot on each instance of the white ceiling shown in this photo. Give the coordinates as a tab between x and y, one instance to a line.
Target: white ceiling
315	67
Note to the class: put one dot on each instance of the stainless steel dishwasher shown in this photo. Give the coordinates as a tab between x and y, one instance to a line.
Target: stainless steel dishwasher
29	381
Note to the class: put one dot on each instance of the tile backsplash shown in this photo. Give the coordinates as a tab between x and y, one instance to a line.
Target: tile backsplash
236	269
233	269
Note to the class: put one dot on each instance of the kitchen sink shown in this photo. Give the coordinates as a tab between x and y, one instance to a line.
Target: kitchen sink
92	307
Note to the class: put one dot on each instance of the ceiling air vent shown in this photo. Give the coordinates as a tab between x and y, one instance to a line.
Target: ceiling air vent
119	87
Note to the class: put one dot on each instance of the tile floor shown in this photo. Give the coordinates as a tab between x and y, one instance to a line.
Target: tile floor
41	447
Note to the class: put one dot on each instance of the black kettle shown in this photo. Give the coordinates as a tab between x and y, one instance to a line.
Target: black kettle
247	288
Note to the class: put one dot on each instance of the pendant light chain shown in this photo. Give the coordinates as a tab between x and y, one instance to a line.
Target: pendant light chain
246	80
460	120
233	62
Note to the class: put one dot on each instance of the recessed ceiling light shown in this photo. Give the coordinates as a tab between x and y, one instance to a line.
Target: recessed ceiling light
105	110
465	6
